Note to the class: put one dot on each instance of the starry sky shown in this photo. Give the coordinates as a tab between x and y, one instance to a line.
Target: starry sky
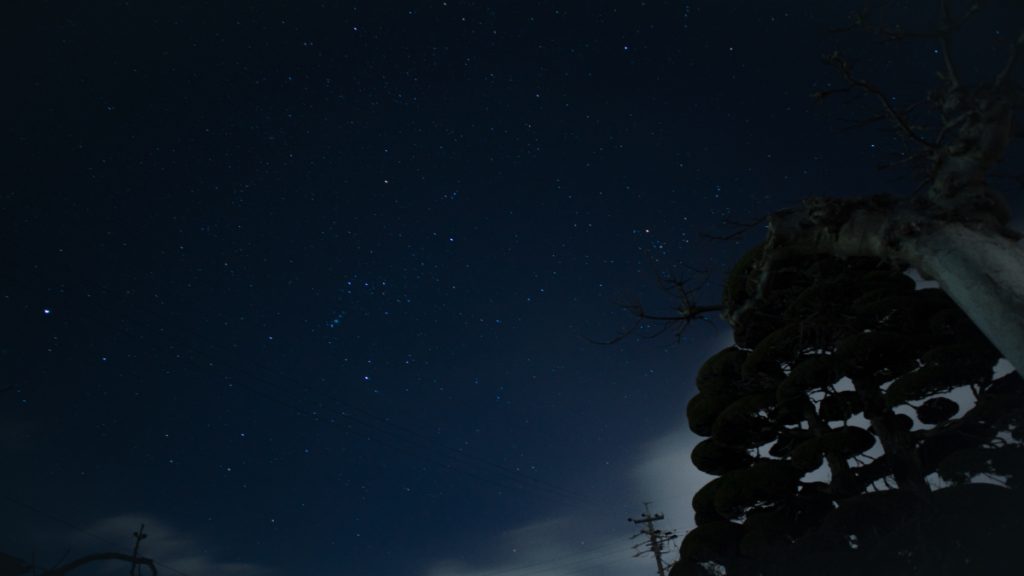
314	287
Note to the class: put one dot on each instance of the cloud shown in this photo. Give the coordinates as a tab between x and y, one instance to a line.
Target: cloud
589	543
597	543
669	480
174	551
553	553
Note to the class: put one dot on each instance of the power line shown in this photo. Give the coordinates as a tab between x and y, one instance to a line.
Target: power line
82	530
381	431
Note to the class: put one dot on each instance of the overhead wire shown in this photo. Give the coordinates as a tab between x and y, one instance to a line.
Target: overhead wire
388	434
575	563
80	529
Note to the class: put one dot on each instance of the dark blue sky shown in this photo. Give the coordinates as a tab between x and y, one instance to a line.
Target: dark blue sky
309	287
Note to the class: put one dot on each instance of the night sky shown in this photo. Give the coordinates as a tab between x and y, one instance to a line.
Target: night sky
315	288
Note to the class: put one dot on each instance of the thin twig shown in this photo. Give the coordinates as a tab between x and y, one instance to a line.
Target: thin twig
947	41
1007	70
897	118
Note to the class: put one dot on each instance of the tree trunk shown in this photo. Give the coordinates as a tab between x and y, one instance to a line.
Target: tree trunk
842	483
983	273
978	263
900	449
954	231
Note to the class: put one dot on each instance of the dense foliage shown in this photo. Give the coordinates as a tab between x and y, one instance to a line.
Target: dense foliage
855	427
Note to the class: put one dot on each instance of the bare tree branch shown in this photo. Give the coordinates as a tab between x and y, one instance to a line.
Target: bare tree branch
947	41
1007	70
742	228
949	25
898	118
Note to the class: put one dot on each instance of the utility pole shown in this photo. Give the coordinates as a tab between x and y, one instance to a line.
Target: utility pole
656	538
139	537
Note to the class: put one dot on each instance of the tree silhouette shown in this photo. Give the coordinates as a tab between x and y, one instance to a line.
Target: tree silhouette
857	425
953	229
841	353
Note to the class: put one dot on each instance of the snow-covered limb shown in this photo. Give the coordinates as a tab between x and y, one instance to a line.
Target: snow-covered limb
983	272
980	265
954	231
